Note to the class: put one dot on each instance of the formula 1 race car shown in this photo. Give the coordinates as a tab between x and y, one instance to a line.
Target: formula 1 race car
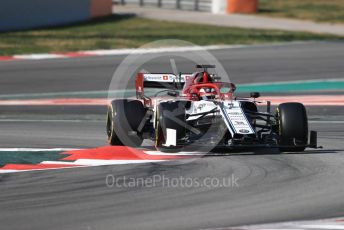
199	110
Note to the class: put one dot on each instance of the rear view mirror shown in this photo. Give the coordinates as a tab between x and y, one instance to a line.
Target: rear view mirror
216	78
254	94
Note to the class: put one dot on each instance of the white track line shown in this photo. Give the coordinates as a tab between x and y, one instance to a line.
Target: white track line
115	52
38	56
92	162
331	224
112	52
159	50
326	122
9	171
153	152
2	171
322	226
81	163
58	163
293	82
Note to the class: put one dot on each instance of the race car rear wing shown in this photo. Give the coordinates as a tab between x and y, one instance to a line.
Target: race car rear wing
159	80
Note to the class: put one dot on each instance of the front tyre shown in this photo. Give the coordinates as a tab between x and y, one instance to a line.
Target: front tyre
292	127
123	120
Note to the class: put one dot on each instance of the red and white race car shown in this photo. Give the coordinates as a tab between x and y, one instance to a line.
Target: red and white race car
200	110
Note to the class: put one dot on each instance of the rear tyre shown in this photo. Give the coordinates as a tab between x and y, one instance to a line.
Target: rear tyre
292	127
170	115
123	120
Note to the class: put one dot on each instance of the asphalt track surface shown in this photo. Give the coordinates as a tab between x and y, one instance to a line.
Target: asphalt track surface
271	186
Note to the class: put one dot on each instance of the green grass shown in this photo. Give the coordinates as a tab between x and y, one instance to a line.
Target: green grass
132	32
317	10
28	157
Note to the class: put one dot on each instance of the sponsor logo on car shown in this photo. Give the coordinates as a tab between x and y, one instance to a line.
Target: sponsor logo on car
240	123
244	131
234	113
153	78
201	106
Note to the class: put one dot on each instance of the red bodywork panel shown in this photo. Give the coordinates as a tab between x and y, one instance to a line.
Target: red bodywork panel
139	85
193	92
202	80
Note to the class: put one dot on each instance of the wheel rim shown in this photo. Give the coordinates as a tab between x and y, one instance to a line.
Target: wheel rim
109	123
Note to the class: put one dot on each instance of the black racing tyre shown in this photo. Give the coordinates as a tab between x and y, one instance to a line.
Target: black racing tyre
123	119
292	126
170	115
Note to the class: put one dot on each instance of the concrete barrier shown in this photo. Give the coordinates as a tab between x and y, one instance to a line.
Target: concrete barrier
218	6
27	14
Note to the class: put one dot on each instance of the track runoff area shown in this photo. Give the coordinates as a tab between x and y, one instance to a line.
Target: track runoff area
313	93
27	159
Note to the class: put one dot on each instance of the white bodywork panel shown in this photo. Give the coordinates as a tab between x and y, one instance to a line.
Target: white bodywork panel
200	107
231	112
171	137
235	118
